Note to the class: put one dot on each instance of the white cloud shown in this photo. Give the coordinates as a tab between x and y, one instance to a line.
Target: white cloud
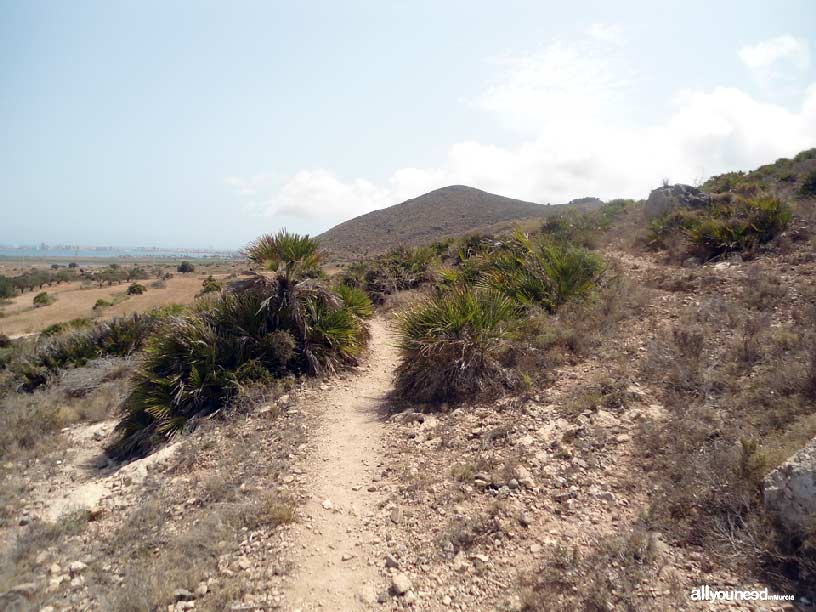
778	65
571	102
766	53
319	193
606	32
564	79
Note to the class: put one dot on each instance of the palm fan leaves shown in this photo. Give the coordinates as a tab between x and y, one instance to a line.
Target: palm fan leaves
266	325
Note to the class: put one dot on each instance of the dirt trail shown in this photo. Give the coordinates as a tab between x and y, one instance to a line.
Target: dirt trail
336	566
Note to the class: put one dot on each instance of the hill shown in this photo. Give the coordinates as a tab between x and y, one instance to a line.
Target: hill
449	211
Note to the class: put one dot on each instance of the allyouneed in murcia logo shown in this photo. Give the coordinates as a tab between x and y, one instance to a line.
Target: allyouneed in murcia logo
706	593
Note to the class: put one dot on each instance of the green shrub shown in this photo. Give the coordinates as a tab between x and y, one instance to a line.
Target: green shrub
7	288
450	345
59	328
185	266
263	327
808	187
804	155
102	304
136	289
738	226
540	272
43	299
75	346
397	270
5	341
210	285
356	300
121	336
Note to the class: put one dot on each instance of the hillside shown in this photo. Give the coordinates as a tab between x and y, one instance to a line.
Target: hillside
445	212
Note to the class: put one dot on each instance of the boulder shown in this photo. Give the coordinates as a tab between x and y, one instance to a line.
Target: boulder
789	491
666	199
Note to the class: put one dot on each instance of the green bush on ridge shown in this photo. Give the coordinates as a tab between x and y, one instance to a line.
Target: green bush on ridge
738	226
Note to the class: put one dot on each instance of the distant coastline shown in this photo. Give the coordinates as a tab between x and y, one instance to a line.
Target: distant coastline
90	252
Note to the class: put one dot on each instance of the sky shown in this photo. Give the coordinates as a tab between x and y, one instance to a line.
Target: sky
204	124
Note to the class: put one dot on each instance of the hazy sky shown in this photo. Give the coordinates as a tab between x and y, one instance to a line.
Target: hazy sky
206	123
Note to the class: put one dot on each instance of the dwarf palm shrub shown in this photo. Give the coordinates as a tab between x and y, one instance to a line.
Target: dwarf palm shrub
356	300
397	270
572	271
738	226
450	345
263	327
76	343
293	255
197	362
540	272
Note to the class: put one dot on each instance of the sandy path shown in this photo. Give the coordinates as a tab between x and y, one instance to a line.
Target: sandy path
333	571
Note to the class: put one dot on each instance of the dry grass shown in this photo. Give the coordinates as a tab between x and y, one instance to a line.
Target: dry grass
75	302
222	488
29	421
39	536
605	578
733	418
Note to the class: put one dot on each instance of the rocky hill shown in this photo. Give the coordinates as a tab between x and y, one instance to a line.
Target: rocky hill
445	212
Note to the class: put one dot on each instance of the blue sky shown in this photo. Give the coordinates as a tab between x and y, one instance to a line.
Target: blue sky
207	123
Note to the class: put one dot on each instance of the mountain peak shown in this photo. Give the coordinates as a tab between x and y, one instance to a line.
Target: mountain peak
447	211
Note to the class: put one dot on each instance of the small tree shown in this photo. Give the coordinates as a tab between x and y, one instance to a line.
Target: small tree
186	266
136	289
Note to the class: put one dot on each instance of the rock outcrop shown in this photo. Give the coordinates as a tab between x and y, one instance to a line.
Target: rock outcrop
789	492
665	199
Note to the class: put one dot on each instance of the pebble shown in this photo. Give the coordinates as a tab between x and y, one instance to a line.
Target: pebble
396	515
400	584
76	567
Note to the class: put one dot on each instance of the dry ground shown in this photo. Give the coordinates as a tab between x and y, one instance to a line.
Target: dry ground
74	302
